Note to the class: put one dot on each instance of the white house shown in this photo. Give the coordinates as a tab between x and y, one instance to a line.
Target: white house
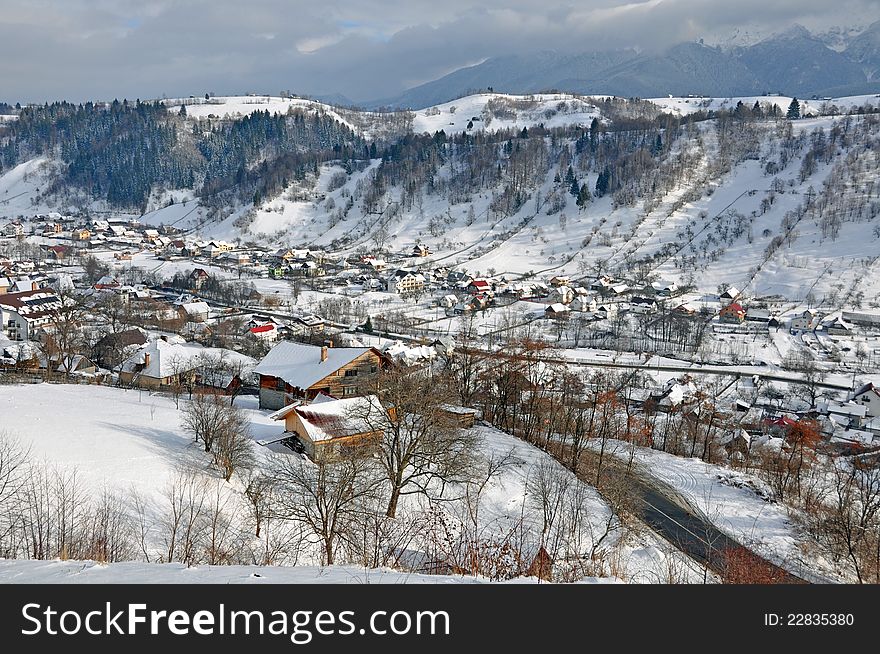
584	303
22	313
562	294
405	282
803	321
868	395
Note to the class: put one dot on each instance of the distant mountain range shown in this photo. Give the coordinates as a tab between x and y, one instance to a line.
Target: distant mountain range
794	62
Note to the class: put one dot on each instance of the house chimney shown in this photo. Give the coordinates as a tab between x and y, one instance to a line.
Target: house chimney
323	353
146	359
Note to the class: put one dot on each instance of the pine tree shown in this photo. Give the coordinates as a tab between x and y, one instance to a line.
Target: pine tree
584	197
602	182
182	111
657	148
594	132
575	188
368	325
794	109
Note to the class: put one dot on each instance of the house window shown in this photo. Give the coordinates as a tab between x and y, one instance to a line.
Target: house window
351	373
348	390
374	368
279	384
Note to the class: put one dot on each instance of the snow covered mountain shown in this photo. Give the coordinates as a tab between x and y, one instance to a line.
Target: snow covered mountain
794	62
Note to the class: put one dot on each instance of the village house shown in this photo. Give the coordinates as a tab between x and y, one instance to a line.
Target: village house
198	277
112	349
374	264
405	282
298	371
21	314
477	286
447	301
13	229
81	234
730	294
420	250
845	414
161	363
586	303
869	396
606	311
643	305
194	311
106	283
328	429
557	310
602	283
732	313
239	258
562	294
804	321
664	289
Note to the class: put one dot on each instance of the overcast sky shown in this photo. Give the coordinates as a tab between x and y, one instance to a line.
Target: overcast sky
363	49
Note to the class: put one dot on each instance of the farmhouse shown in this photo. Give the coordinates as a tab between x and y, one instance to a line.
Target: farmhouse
562	294
732	313
194	311
293	371
731	294
556	310
327	429
161	363
420	250
803	321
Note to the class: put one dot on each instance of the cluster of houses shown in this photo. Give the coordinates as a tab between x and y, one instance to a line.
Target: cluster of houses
745	427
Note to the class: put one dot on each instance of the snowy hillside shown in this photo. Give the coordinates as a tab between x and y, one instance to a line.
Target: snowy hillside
710	210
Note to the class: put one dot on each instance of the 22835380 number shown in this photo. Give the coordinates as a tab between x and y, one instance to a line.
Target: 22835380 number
820	619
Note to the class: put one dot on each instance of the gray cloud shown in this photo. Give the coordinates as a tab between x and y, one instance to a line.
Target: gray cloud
364	49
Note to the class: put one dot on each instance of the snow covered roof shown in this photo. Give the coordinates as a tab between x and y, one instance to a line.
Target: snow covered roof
300	365
169	359
410	354
196	308
844	408
340	418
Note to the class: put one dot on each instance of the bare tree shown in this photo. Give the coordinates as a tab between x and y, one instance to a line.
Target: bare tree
326	498
421	441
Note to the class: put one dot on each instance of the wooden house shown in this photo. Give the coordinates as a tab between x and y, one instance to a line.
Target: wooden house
328	429
292	371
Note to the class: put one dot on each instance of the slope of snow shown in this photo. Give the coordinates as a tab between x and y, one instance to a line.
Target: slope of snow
90	572
121	439
551	110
